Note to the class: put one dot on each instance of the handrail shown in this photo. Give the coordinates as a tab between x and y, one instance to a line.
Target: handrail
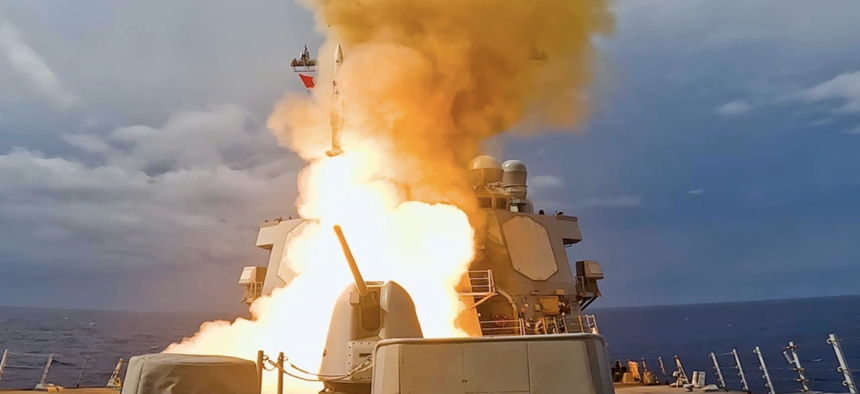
481	284
543	326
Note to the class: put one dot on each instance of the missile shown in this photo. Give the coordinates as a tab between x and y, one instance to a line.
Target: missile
338	58
336	106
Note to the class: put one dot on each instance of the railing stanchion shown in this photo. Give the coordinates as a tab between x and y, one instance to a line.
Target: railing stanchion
843	365
763	368
718	370
741	370
281	373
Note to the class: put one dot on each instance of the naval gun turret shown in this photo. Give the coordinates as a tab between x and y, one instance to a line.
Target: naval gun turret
364	314
521	281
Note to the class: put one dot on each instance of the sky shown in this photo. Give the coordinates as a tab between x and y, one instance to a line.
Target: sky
719	162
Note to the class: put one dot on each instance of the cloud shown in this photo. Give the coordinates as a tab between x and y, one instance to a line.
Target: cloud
767	21
822	121
86	142
545	182
220	176
189	140
611	202
696	191
31	65
844	87
733	109
853	130
130	73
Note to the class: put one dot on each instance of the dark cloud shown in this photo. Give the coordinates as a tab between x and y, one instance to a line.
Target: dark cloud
152	168
224	175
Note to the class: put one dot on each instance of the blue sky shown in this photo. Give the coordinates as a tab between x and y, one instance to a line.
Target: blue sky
719	162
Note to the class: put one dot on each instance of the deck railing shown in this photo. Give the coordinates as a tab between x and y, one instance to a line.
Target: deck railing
30	361
543	326
797	377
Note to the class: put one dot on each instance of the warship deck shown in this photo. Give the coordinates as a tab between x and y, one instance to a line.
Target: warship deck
661	389
87	390
619	389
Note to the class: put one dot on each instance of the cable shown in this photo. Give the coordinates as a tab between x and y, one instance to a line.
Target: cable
30	354
365	365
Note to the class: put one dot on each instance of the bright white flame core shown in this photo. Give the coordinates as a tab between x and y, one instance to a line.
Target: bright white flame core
425	248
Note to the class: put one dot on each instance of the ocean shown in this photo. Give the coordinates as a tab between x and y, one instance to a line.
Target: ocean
689	331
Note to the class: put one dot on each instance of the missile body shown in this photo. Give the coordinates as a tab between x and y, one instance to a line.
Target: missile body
337	106
338	58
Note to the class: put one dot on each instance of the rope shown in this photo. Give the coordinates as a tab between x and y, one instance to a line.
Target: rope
30	354
22	367
794	370
781	378
353	372
826	341
365	365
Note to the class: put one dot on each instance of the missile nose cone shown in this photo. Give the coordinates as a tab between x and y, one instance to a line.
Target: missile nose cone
338	55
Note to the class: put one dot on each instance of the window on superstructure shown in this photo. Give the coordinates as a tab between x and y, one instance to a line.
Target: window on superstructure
485	202
501	203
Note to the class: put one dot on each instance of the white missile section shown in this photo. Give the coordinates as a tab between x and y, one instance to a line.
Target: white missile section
336	107
338	58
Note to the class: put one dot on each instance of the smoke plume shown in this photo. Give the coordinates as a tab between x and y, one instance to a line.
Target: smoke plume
424	84
427	81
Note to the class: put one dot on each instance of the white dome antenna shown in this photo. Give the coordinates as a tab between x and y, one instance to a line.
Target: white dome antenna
515	177
485	169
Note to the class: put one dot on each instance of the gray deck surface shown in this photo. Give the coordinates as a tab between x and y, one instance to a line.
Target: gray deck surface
619	388
662	389
96	390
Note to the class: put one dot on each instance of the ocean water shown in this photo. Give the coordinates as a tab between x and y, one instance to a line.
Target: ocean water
689	331
692	332
100	338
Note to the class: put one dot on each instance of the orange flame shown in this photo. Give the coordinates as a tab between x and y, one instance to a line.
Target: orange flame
424	247
424	84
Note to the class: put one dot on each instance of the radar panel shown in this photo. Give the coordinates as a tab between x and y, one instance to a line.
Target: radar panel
530	248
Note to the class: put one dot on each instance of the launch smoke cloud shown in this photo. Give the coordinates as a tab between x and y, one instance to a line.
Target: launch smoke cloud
430	80
424	83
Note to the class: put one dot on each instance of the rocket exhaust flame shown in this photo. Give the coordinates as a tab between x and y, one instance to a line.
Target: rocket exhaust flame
427	82
336	108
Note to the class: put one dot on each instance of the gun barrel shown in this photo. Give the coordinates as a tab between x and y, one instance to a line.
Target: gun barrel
356	275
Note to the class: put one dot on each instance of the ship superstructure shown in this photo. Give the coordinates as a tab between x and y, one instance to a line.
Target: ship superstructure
520	281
